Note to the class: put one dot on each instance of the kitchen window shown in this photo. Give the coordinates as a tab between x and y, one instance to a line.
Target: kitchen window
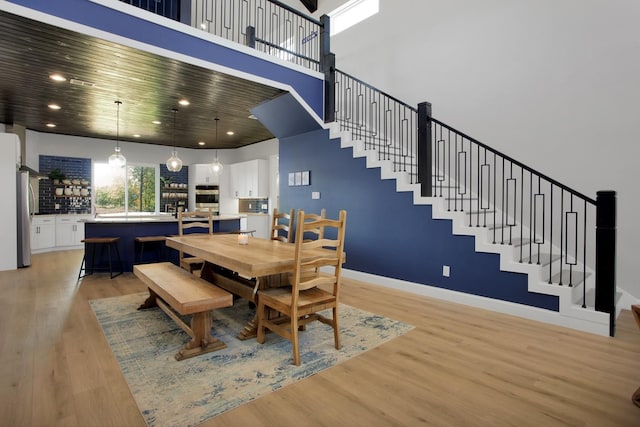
130	189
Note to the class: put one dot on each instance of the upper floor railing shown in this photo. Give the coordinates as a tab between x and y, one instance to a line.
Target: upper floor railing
380	121
266	25
167	8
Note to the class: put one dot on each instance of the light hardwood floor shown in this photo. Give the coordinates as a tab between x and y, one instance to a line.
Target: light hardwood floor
460	366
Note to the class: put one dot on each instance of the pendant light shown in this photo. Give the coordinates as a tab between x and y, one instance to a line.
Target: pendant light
216	166
174	164
117	160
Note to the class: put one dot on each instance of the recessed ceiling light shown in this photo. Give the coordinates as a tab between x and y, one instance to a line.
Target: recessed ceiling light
230	132
51	125
183	102
201	143
57	77
156	122
136	135
54	106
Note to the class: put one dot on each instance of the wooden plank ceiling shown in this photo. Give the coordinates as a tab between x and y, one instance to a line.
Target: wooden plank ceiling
99	72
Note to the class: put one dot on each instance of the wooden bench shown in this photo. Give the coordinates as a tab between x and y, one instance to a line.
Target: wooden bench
171	287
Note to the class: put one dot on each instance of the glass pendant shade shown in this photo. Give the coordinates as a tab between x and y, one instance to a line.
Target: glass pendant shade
216	166
117	160
174	164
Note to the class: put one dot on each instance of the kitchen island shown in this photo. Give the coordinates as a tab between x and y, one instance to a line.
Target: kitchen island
131	226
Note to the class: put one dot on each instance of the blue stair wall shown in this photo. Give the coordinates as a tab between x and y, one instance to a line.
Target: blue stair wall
387	234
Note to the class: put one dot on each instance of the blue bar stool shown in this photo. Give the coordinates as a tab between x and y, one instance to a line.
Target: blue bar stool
157	241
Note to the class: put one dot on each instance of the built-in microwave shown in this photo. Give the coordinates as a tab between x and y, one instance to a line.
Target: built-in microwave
208	196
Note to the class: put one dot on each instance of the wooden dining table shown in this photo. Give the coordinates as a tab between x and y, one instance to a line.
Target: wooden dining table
242	269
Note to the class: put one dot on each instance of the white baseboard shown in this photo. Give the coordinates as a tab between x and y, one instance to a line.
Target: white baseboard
520	310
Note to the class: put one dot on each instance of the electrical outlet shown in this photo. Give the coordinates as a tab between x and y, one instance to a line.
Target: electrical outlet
446	270
315	195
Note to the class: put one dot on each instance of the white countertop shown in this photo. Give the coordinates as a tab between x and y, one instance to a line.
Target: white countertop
153	218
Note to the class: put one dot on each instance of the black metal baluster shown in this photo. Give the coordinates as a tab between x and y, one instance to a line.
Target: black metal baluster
567	242
584	259
495	191
531	219
561	230
503	205
521	211
456	166
550	238
478	192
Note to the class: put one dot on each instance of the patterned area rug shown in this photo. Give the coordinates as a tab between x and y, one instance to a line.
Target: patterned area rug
186	393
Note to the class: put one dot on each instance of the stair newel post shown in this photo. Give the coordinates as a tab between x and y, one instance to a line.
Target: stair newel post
250	37
606	255
425	160
328	67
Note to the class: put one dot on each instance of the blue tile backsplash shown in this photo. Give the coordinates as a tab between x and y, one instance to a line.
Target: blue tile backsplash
72	168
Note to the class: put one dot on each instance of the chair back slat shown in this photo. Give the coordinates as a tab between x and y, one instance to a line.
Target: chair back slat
282	225
307	274
202	223
317	230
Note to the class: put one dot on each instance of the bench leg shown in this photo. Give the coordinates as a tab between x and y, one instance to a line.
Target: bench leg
150	302
202	341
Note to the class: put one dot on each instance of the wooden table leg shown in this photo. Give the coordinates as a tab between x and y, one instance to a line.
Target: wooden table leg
245	288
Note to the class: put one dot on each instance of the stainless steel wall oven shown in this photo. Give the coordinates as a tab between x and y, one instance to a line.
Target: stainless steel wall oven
208	196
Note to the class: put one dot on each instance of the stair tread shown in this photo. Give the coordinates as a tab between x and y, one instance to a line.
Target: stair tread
577	277
544	258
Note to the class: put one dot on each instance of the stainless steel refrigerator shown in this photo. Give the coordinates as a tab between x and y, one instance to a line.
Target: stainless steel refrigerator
26	201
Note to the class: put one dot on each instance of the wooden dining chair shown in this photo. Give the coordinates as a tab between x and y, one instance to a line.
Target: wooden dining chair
282	225
202	223
310	290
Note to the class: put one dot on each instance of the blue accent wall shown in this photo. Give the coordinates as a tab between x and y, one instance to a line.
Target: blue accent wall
386	234
109	20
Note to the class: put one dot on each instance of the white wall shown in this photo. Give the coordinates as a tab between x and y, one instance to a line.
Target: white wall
8	213
553	83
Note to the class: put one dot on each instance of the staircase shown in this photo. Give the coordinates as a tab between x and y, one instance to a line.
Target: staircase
553	266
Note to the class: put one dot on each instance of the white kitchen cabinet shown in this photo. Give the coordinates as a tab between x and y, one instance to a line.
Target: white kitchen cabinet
249	179
260	223
69	231
204	175
43	232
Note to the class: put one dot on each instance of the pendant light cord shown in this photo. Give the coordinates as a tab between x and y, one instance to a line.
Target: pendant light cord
118	102
217	120
175	112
